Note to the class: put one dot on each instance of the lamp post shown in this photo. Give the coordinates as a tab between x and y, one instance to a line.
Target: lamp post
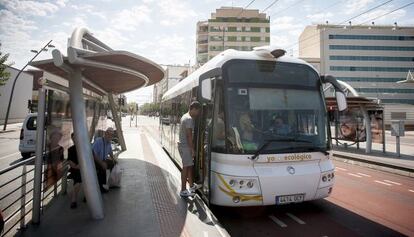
17	76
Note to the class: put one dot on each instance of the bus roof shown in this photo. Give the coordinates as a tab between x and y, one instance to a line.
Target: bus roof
217	62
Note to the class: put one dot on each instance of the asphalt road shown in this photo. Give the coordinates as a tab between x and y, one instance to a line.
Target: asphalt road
365	202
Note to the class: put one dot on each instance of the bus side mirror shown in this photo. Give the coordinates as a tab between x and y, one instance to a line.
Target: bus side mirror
206	89
339	93
341	100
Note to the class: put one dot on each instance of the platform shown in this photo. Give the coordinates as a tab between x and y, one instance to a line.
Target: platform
147	204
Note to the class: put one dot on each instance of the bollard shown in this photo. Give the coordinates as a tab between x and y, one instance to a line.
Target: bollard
397	143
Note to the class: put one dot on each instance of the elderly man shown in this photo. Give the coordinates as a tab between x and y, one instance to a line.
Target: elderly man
103	156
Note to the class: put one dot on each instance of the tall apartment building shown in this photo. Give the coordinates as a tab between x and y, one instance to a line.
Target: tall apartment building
370	58
231	28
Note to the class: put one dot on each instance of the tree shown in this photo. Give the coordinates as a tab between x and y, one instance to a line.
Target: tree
4	75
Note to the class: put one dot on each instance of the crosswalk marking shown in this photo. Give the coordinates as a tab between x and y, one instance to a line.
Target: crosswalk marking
366	175
277	221
355	175
295	218
392	182
380	182
411	190
338	168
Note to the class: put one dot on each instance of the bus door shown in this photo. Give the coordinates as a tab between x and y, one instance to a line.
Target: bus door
203	142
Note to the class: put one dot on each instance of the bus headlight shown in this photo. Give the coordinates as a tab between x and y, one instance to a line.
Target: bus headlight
242	185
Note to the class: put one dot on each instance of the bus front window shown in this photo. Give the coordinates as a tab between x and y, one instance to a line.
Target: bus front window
294	119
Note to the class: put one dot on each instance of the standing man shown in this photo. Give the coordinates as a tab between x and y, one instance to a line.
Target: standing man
102	149
186	149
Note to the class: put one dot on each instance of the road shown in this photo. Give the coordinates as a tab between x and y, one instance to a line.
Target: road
365	202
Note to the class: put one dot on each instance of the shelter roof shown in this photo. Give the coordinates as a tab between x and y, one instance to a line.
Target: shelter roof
114	81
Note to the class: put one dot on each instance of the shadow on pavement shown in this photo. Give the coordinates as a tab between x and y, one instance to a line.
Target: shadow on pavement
129	211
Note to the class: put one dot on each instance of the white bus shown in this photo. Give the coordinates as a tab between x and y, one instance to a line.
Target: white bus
263	136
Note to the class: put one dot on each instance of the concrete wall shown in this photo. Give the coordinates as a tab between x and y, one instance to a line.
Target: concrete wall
22	93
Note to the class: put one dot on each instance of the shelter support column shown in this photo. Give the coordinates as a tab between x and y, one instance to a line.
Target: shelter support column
367	123
117	121
40	133
83	147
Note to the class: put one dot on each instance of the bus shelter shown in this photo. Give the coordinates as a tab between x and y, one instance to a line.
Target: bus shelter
90	64
363	121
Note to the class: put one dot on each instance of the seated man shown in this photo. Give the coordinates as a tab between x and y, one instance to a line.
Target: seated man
102	151
279	127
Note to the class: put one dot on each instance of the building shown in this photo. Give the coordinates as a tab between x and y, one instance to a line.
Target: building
372	59
22	94
174	74
231	28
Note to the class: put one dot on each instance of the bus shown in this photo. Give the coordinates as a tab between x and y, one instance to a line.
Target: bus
263	135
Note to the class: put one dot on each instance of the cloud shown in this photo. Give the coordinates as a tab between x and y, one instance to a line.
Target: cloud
88	9
31	8
130	19
175	12
319	17
355	6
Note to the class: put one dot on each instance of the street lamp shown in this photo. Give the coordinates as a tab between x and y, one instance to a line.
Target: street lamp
48	45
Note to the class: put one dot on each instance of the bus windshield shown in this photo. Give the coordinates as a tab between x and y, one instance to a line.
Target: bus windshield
274	105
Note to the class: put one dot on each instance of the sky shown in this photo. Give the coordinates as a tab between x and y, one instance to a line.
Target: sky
165	30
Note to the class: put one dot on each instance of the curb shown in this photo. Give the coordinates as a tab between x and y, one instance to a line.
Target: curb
400	170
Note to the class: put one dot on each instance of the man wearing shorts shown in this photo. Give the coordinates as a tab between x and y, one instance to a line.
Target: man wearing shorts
186	149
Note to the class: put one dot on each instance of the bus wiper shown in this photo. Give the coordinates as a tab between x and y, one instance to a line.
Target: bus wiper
267	142
315	149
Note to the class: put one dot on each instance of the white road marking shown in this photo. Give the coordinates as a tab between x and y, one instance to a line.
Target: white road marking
366	175
277	221
295	218
205	233
340	168
383	183
3	157
409	190
355	175
392	182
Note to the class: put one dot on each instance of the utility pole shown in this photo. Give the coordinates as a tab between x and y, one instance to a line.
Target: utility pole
17	76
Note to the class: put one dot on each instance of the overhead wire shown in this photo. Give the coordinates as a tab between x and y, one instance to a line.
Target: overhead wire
371	9
250	3
273	3
365	22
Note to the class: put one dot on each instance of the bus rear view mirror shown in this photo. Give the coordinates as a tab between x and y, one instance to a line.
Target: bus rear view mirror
206	89
341	100
339	92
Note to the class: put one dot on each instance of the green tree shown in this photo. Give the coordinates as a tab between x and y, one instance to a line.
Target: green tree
4	75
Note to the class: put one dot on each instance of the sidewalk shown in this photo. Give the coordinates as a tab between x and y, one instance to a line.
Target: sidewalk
389	161
147	204
11	127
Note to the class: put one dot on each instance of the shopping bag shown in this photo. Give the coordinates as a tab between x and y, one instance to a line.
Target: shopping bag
115	177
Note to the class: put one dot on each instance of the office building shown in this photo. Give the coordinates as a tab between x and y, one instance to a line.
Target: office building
231	28
173	74
372	59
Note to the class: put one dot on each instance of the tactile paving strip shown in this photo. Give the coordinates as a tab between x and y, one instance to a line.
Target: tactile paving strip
170	216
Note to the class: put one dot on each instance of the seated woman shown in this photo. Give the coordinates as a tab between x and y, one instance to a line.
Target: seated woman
247	131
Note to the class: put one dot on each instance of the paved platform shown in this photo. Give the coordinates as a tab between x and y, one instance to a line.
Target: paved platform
147	204
389	161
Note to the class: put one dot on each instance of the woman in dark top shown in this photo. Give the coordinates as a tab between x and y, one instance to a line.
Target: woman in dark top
75	172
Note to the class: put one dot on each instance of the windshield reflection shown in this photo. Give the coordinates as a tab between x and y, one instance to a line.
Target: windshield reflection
292	119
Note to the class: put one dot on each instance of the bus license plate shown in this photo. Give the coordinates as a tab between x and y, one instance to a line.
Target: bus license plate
290	199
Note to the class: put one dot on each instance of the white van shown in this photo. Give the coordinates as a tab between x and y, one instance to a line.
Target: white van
27	146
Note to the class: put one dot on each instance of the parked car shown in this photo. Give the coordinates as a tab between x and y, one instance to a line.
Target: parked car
27	145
